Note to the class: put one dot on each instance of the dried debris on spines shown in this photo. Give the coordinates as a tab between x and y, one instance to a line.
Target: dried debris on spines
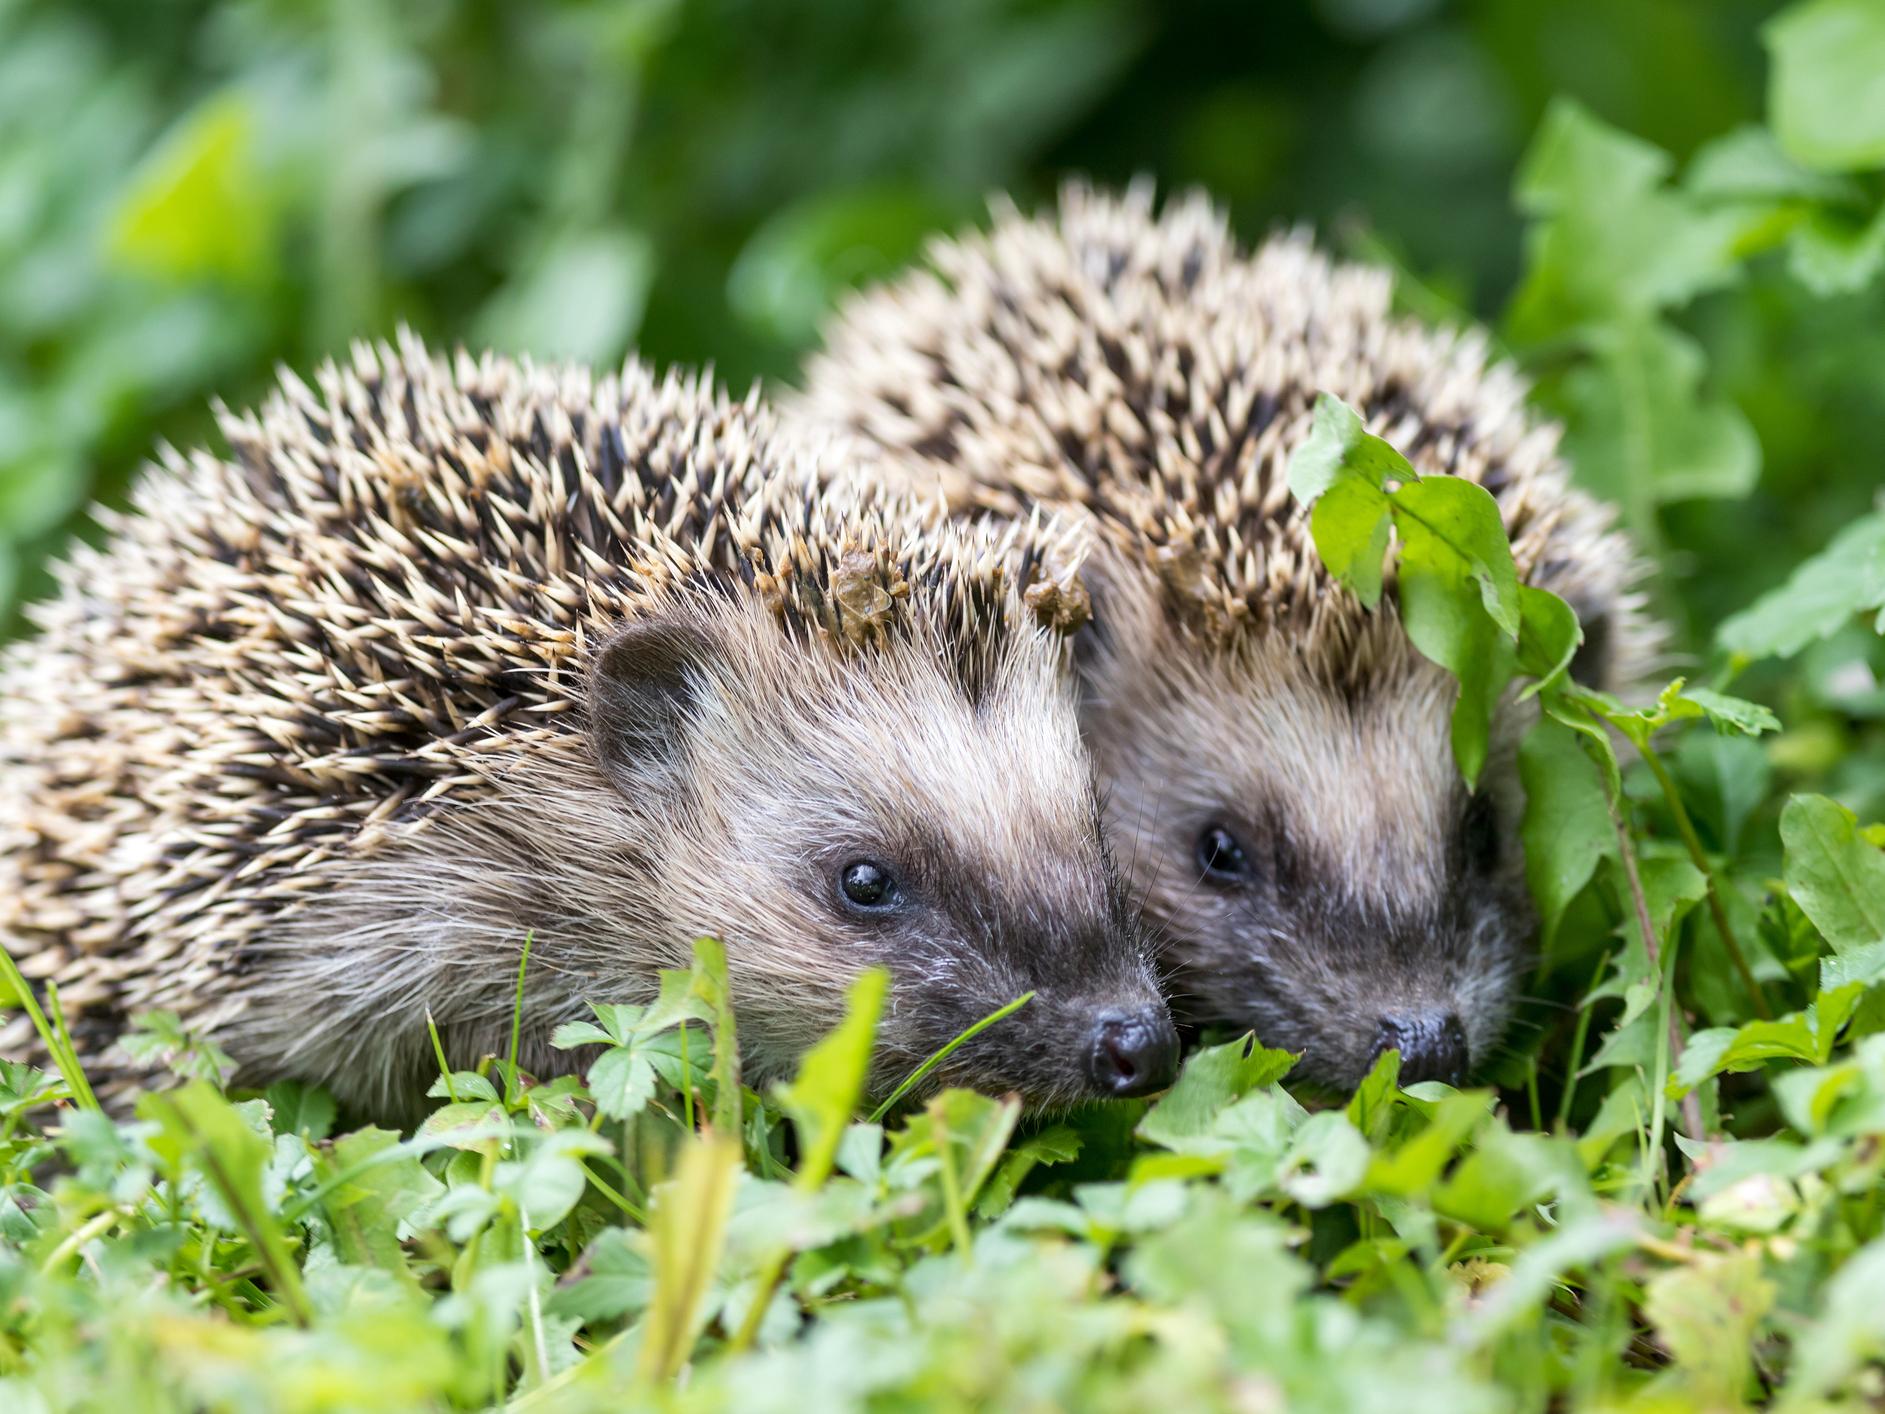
1137	362
382	595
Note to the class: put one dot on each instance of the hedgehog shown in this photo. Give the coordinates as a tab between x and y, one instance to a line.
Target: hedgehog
1276	757
443	659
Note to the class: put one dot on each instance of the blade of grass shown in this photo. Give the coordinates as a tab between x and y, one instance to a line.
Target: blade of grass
511	1087
55	1038
917	1076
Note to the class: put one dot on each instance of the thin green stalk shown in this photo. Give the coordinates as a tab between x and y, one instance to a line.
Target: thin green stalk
612	1195
438	1049
1579	1035
511	1088
1669	1045
1692	842
917	1076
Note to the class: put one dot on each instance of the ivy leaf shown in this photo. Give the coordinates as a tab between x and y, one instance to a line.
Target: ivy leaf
1834	874
1818	599
1824	98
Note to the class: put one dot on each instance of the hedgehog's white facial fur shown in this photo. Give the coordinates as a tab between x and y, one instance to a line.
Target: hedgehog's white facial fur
441	658
1140	365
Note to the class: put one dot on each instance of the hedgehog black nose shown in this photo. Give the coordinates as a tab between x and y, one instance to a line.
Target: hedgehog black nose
1432	1045
1134	1053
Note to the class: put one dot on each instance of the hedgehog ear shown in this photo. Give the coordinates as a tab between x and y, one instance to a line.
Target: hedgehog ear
644	685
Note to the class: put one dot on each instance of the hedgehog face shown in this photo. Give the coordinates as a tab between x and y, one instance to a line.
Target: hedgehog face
1325	877
823	811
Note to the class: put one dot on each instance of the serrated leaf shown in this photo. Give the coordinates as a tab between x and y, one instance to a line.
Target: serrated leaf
1732	713
622	1081
1833	873
1818	599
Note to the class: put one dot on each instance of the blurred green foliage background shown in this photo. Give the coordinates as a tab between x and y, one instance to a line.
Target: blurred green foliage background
192	192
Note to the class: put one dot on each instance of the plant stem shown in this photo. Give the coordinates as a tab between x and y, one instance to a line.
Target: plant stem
1686	828
1691	1104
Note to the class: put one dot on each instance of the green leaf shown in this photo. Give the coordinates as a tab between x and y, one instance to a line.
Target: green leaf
1836	253
1802	1035
1824	98
1749	164
201	1129
1548	637
615	1278
1833	873
831	1080
1821	596
1734	714
1341	471
1447	521
1706	1314
202	203
622	1081
1609	240
1340	448
1213	1079
1643	432
379	1193
1566	829
1849	1331
299	1108
1445	610
1325	1162
1350	525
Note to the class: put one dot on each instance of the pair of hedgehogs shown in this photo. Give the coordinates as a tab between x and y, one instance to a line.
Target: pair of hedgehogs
438	657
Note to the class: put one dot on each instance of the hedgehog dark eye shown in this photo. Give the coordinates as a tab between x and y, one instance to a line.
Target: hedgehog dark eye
868	885
1220	857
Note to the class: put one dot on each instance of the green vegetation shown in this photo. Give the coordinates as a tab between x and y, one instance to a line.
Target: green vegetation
1666	1194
